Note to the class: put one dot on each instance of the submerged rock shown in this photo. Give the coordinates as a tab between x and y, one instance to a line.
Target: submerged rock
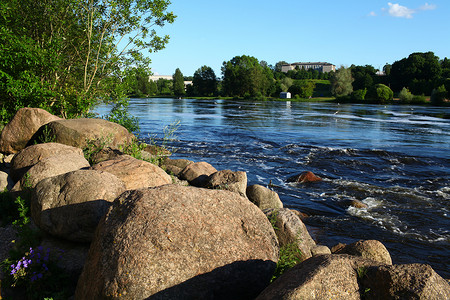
304	177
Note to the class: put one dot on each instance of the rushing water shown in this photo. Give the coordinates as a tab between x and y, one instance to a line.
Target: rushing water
395	159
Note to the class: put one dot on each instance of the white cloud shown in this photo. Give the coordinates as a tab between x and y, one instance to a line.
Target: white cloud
427	6
399	11
372	14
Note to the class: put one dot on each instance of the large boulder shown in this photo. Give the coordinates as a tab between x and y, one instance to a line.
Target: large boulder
69	206
174	242
135	173
370	249
197	173
289	229
263	197
23	126
332	276
410	281
78	132
31	155
51	166
228	180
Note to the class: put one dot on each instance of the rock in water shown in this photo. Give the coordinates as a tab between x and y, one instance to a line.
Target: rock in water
304	177
175	242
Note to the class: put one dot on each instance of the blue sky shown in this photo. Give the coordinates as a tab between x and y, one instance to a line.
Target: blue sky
360	32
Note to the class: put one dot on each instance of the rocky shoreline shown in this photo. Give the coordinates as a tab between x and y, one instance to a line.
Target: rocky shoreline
131	229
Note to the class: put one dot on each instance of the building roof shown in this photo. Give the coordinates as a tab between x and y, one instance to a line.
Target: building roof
309	63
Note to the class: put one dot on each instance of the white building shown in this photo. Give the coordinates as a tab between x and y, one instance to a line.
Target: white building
322	67
285	95
166	77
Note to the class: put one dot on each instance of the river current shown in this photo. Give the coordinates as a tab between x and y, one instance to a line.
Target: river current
395	159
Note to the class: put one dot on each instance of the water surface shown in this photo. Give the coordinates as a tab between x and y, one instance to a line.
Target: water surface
395	159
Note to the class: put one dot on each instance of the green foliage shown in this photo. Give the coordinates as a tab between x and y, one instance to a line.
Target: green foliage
341	82
273	219
133	149
93	147
244	75
290	255
65	55
359	95
205	82
405	96
119	114
9	208
178	83
439	95
46	136
363	76
419	99
380	93
302	88
419	71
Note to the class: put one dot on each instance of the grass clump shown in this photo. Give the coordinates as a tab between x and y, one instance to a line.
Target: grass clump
290	255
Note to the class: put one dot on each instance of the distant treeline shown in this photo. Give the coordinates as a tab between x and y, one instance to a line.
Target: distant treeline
413	79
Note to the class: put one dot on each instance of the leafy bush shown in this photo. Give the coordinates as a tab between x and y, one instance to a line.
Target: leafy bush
119	114
405	95
419	99
380	93
302	88
439	95
359	95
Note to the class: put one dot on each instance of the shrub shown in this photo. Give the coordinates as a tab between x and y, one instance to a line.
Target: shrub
439	95
359	95
405	95
380	93
419	99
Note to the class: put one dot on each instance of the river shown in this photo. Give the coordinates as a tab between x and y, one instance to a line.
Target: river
395	159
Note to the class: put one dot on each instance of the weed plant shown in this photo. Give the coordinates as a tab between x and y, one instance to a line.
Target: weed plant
290	254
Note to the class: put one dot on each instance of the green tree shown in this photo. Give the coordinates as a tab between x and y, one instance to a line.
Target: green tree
279	64
302	88
363	76
379	93
178	83
341	82
439	95
419	71
243	75
66	55
205	81
164	87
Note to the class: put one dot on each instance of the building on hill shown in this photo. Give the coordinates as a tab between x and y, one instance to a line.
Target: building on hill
322	67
